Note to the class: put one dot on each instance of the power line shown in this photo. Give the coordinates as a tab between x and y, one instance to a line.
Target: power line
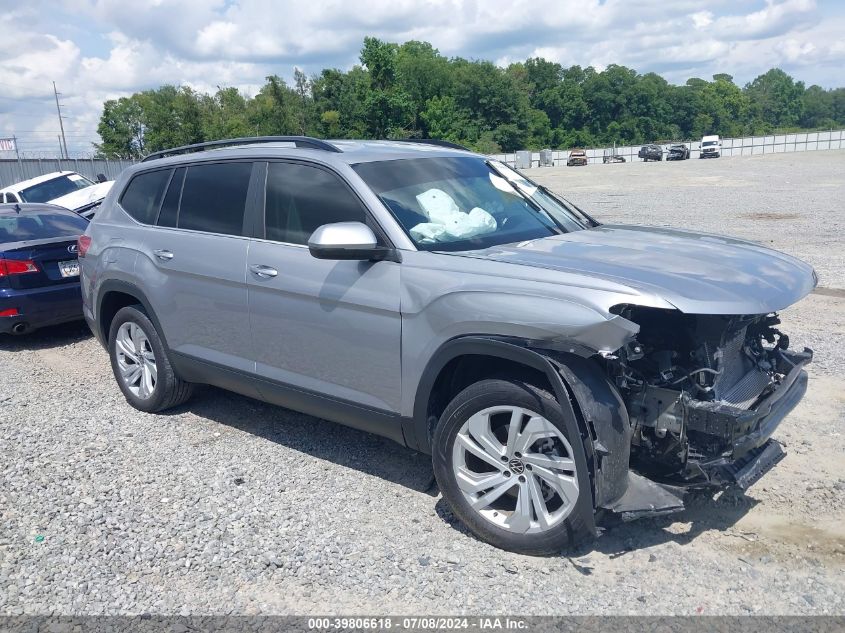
22	98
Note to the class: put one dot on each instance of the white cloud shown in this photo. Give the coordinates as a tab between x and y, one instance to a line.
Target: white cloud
702	19
776	18
102	49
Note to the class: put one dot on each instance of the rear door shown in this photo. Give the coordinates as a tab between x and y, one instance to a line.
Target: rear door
327	327
192	263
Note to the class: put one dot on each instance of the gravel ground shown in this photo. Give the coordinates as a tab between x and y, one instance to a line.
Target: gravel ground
230	506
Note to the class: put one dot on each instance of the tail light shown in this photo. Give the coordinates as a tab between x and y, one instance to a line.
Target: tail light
9	313
82	245
9	267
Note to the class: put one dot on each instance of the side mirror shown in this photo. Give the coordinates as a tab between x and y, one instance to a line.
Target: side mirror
101	178
347	240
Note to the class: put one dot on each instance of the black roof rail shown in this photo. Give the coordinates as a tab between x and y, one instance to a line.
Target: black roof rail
436	141
298	141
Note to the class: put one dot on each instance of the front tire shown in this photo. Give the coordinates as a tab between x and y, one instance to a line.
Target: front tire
504	462
141	365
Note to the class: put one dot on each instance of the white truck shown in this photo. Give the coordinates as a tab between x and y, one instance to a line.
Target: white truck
711	147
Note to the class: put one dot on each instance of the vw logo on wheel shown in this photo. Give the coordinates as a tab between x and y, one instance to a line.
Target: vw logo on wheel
516	466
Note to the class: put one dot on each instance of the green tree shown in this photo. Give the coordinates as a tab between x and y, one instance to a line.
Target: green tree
445	120
225	115
121	129
817	109
777	98
421	73
388	108
411	90
172	117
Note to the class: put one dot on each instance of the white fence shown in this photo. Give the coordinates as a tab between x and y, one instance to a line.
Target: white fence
750	145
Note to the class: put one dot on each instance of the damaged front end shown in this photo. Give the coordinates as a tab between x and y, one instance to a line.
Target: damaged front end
705	393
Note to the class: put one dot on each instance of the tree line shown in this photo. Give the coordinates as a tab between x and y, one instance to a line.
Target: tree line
410	90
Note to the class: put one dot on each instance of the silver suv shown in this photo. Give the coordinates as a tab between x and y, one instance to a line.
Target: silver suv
558	370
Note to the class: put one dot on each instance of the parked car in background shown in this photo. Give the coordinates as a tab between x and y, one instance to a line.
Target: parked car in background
577	157
678	152
651	152
557	369
612	156
711	147
39	269
64	188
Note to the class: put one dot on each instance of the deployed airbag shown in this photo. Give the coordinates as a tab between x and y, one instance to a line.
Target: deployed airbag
447	221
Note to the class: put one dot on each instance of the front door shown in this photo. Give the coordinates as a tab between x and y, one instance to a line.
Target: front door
322	327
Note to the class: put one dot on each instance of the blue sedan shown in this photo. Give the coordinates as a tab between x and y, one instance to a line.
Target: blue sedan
39	269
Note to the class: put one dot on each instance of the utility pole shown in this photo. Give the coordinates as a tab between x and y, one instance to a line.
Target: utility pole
61	125
18	156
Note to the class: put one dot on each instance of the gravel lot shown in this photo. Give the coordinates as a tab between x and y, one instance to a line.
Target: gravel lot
231	506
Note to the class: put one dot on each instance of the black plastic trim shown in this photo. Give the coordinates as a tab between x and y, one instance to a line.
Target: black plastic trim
254	211
371	420
471	346
116	285
606	417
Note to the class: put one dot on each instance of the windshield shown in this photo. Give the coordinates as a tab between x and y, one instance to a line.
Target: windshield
55	188
36	226
708	143
466	203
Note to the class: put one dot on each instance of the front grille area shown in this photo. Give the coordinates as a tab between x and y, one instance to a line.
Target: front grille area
740	382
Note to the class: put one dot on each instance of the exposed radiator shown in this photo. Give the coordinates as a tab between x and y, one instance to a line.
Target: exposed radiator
743	394
739	383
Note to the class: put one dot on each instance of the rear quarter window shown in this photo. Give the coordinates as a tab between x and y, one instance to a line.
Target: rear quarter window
142	198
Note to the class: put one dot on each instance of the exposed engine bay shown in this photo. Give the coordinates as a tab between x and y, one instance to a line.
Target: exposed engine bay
701	392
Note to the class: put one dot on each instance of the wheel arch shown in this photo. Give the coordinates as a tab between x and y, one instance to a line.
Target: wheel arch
599	416
116	294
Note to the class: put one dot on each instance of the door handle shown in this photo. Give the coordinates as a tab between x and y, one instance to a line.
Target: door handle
163	255
265	272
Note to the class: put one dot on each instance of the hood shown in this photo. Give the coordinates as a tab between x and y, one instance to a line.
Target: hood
82	197
695	272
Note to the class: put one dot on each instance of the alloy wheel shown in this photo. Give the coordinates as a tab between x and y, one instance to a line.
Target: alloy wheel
136	360
516	469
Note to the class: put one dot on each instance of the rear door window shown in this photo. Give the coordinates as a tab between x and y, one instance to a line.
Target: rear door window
142	197
214	198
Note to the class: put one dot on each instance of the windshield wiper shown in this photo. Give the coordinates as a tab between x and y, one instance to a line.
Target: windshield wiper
570	205
535	206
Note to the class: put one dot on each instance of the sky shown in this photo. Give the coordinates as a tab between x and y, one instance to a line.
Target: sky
104	49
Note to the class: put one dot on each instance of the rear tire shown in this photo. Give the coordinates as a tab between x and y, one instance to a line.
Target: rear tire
518	490
140	363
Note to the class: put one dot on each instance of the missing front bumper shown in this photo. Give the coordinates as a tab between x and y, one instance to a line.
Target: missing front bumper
647	498
745	472
747	430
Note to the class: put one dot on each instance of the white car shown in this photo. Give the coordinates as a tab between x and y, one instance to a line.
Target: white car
64	188
711	147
